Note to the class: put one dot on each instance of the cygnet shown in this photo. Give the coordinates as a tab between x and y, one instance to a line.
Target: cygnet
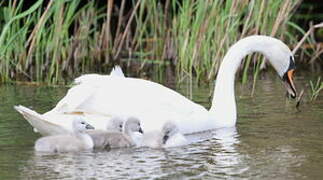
169	136
113	138
76	141
99	136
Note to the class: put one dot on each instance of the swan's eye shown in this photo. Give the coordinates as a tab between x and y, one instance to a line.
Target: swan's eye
82	122
120	126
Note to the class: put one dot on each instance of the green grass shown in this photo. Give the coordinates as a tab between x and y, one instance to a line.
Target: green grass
62	39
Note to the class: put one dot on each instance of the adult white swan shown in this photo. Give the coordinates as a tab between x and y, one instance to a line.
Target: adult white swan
154	104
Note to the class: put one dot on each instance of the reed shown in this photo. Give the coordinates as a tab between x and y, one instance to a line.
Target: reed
54	41
316	88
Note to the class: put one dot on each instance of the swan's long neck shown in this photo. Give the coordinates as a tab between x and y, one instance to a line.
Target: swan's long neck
223	107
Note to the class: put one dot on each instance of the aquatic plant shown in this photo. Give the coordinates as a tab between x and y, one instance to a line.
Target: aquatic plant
315	88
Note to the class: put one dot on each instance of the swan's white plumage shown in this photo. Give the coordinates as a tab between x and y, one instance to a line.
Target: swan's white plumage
154	104
86	86
117	71
143	99
52	123
43	126
88	78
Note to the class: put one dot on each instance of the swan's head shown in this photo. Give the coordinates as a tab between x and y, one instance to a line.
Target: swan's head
132	124
288	78
115	125
169	129
80	125
282	59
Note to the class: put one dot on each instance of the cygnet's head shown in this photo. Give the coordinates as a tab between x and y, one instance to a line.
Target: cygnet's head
80	125
169	129
115	125
132	124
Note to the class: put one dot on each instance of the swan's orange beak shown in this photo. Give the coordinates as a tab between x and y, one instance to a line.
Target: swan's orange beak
289	84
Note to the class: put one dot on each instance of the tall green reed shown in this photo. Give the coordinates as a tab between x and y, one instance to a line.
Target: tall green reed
58	40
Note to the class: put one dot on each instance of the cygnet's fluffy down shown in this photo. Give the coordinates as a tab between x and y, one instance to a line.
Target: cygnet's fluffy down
76	141
100	140
114	137
169	136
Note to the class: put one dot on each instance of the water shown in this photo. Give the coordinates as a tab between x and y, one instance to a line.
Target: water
272	140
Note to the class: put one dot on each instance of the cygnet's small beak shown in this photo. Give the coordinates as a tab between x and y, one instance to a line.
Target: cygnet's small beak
141	131
165	138
88	126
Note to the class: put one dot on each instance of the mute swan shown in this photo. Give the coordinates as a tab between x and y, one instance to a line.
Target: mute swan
169	136
155	104
76	141
116	139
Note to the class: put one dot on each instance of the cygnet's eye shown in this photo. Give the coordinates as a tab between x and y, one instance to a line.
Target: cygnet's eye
82	122
120	126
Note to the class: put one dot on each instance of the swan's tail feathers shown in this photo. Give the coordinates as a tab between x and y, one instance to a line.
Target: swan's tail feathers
117	71
39	123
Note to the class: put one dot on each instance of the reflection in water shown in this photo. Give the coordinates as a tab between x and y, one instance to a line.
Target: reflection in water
226	161
228	157
123	164
113	164
188	161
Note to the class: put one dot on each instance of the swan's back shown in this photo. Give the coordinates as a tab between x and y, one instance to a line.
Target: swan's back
98	78
120	96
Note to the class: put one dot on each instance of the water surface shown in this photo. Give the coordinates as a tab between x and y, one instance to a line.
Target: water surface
272	140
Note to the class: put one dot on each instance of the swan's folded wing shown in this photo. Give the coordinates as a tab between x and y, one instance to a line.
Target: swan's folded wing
152	103
86	87
74	98
43	126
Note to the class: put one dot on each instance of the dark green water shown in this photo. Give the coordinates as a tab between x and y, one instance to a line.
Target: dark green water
272	140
